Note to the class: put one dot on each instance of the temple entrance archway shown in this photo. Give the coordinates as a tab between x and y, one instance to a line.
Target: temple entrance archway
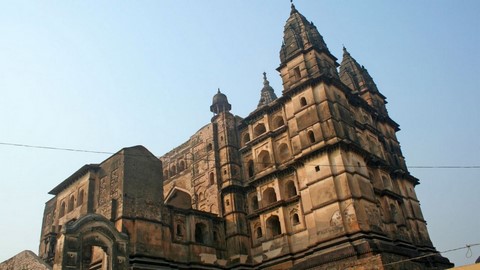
92	243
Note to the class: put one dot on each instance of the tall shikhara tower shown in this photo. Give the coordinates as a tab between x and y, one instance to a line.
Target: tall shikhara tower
327	181
312	179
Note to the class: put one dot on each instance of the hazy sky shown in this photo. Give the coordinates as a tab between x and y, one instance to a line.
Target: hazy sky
103	75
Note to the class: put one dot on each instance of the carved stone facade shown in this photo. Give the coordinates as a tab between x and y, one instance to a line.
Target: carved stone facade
313	179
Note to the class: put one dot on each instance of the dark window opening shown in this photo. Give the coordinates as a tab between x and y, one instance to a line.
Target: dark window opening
291	190
278	122
212	178
296	72
303	102
246	138
181	166
200	231
269	196
284	153
259	232
80	197
264	159
251	169
311	136
254	203
71	203
62	210
295	219
179	230
259	129
273	226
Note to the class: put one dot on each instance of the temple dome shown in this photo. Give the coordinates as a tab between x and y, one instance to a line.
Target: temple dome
220	103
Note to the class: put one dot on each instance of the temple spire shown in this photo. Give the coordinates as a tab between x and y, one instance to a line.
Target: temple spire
267	94
357	78
304	54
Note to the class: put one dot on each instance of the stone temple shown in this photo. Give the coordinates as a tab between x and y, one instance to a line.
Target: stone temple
313	178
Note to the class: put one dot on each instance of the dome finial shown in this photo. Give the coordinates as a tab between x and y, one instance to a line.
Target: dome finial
218	92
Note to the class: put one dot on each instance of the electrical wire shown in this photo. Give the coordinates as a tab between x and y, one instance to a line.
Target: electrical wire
469	251
210	160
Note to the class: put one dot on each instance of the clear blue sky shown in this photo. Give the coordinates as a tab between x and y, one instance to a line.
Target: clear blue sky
102	75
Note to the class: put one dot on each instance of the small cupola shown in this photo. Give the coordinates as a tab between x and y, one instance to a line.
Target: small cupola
220	103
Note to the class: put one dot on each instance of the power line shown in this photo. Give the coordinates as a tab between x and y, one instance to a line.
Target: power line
208	160
436	253
55	148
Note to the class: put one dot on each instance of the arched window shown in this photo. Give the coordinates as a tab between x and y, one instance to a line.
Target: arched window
61	212
209	147
291	190
264	159
283	152
246	138
269	196
173	170
295	219
278	122
181	166
273	226
254	203
212	178
165	174
81	194
251	168
259	129
394	213
71	203
311	136
179	230
303	102
296	73
386	182
200	233
259	232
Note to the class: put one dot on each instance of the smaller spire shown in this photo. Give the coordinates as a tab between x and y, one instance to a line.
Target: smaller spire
267	94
